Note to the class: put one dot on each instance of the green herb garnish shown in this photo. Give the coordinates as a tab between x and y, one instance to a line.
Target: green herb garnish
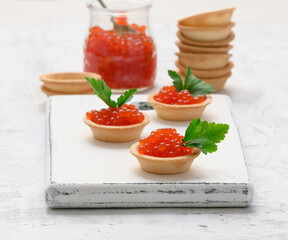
193	84
204	135
104	92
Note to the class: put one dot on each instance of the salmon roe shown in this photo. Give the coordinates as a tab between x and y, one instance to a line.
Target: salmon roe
165	142
169	95
126	61
114	116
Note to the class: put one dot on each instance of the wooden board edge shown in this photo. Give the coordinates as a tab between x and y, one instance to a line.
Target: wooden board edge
139	195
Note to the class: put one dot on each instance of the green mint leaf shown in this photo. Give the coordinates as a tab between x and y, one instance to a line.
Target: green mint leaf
178	84
204	135
196	86
128	95
102	91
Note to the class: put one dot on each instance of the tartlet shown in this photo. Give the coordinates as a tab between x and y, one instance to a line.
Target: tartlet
218	82
118	123
179	112
67	82
185	100
204	61
214	18
186	48
206	74
206	34
161	165
117	134
165	151
53	93
220	43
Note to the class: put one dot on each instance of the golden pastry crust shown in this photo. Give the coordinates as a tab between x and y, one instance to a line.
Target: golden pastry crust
125	133
158	165
218	83
52	93
185	48
179	112
206	74
203	61
223	42
214	18
68	82
206	34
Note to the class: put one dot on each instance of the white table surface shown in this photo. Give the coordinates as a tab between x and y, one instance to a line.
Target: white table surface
258	89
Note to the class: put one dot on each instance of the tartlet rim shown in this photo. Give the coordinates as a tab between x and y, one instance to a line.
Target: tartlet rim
135	152
228	47
229	66
210	13
47	77
206	28
207	80
222	42
145	121
206	102
206	55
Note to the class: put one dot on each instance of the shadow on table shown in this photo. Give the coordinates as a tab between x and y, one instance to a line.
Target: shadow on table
151	211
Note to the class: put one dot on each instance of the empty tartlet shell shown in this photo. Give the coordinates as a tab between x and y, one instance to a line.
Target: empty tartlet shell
206	34
204	61
214	73
215	18
218	83
117	134
185	48
68	82
223	42
179	112
159	165
52	93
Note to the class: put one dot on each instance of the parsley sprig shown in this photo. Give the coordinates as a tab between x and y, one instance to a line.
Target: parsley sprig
104	92
204	135
193	84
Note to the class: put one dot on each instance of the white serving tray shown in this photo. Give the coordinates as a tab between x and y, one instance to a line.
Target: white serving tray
86	173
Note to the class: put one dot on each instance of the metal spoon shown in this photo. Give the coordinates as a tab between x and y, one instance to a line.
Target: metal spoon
119	29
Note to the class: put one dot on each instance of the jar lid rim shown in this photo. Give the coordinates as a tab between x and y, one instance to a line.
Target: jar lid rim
146	4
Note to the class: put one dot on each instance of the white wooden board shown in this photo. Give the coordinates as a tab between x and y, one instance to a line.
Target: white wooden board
85	172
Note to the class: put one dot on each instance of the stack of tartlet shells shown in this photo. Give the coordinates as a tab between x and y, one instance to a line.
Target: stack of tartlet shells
204	43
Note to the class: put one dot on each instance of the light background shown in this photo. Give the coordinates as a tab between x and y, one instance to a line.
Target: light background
23	12
45	36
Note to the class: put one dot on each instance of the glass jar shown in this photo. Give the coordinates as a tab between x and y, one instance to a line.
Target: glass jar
119	46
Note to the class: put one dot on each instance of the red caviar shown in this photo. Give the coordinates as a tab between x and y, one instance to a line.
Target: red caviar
165	142
115	116
169	95
126	61
122	20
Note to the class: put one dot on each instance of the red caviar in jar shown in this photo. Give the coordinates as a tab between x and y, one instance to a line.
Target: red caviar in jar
165	142
115	116
126	61
169	95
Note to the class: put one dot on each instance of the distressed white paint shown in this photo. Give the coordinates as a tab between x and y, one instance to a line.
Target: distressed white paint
260	76
85	172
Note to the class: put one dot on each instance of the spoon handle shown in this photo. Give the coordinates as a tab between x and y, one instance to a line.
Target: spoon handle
102	4
118	27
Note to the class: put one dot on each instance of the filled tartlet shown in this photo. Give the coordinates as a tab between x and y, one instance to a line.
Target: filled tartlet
165	151
119	122
182	101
